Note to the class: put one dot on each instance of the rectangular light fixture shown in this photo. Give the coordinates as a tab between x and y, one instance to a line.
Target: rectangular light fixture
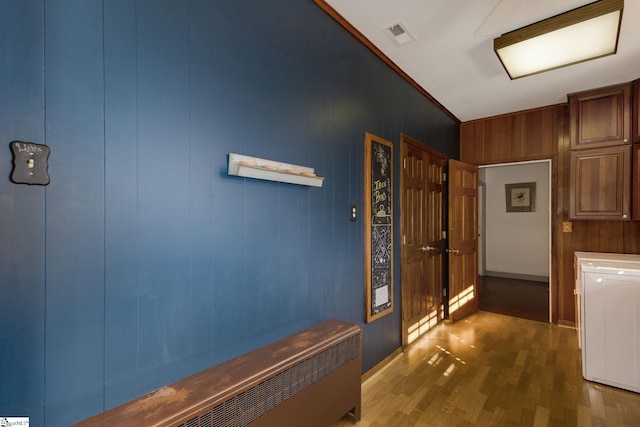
581	34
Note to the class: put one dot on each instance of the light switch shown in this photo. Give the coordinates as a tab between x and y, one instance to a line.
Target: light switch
30	163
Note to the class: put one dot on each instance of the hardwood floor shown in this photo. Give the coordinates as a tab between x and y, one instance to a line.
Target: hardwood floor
519	298
492	370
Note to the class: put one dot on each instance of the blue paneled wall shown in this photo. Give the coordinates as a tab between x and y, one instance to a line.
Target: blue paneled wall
143	262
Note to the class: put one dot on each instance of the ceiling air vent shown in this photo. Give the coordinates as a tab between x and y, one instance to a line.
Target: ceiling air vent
399	33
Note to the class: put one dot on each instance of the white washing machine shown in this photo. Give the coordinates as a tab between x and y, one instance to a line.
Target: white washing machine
592	257
610	317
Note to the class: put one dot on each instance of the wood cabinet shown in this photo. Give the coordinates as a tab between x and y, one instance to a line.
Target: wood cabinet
635	128
600	182
635	132
635	184
600	122
600	117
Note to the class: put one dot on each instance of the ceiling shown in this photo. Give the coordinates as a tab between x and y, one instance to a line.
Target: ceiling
457	66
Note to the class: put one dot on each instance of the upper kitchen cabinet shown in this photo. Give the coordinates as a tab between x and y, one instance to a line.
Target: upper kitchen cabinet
636	111
600	181
600	117
635	183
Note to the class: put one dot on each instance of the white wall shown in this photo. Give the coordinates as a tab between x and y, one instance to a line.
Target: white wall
517	243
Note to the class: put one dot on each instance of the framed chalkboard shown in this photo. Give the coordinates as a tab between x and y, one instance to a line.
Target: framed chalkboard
378	228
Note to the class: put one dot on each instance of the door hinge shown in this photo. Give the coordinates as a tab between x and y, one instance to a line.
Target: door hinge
444	292
404	239
404	163
444	177
444	234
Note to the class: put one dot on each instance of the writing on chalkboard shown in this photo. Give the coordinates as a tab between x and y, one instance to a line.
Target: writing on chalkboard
379	227
25	147
379	195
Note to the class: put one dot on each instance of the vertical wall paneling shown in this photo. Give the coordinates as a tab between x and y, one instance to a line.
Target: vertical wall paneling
499	137
22	210
122	244
230	123
163	175
469	142
143	261
201	175
73	76
548	134
565	301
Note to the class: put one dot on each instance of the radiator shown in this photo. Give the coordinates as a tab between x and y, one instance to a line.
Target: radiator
310	379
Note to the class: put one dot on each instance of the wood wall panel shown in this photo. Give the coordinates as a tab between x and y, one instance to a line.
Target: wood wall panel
528	135
538	134
468	144
563	299
631	244
498	137
519	136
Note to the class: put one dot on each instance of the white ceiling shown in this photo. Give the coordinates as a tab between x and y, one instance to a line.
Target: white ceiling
460	70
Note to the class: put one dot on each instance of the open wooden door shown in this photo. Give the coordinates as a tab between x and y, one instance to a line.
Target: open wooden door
463	240
421	226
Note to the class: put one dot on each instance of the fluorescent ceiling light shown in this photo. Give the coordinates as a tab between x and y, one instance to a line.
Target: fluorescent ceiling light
578	35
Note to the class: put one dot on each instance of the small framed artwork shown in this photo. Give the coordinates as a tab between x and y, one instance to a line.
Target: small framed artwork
521	197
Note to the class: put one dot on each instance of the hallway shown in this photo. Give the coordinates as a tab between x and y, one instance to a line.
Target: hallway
519	298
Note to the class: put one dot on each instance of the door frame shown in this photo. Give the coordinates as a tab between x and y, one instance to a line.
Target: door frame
481	205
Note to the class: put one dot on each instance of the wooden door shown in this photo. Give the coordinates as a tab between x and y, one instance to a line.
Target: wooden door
422	222
462	297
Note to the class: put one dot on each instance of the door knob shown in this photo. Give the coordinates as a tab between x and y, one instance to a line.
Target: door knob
453	251
427	248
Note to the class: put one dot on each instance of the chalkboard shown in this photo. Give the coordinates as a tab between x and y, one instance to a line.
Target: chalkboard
378	214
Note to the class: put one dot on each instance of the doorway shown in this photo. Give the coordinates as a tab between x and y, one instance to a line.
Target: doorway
514	239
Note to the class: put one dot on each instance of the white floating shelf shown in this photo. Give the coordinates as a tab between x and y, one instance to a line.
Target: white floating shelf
270	170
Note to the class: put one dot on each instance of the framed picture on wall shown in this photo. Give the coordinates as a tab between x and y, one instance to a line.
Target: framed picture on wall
378	227
521	197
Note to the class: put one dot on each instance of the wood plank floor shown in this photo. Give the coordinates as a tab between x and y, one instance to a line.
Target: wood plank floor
519	298
492	370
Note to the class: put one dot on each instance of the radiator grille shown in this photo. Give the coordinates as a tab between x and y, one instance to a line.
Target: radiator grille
247	406
218	416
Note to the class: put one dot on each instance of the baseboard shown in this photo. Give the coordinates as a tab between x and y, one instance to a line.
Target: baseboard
380	366
531	277
567	324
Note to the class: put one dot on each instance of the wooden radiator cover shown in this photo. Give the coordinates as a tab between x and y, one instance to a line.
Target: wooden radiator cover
310	379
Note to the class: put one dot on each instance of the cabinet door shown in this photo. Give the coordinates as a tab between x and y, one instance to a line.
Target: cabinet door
635	183
600	183
636	111
600	117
